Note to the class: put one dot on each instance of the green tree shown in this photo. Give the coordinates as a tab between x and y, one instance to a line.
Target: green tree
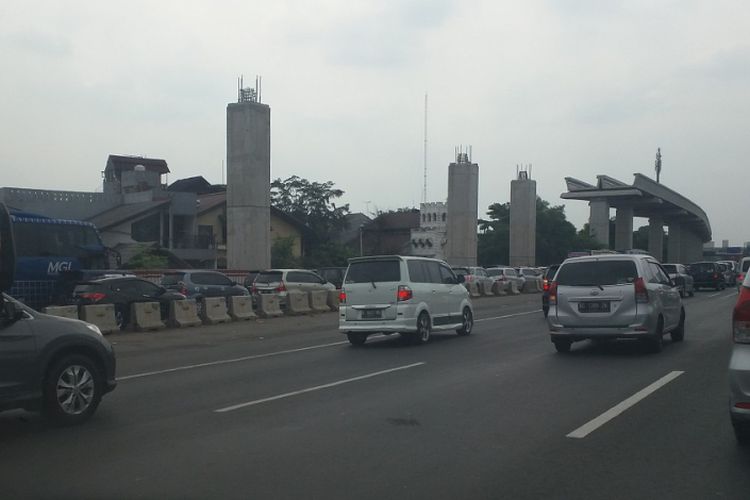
282	253
148	258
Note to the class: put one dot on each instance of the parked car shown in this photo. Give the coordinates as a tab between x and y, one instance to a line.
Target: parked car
707	275
334	275
679	274
614	297
739	365
123	292
526	274
200	283
547	279
412	296
476	275
250	278
505	274
60	366
282	281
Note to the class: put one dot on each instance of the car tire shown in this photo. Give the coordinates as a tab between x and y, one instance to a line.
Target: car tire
545	310
424	329
562	346
357	339
692	293
678	334
467	322
656	342
72	390
122	316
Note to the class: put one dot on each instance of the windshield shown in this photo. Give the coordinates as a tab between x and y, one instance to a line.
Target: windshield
604	272
376	271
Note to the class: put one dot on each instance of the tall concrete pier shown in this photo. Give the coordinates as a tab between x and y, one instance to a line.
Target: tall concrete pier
248	185
522	220
461	231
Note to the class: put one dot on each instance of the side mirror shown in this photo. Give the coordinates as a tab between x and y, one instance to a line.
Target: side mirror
460	278
11	312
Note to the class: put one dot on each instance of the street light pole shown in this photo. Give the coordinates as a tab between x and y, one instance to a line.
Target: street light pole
361	230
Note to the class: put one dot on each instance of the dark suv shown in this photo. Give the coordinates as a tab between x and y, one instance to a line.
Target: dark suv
707	275
199	283
60	366
123	292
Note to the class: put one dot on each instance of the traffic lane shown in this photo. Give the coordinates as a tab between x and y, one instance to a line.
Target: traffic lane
284	419
153	351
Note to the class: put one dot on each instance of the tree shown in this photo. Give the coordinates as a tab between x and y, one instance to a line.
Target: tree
282	255
148	258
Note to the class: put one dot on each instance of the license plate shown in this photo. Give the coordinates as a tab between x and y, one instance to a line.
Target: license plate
593	307
372	314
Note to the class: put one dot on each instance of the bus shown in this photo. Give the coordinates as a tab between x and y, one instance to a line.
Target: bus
46	249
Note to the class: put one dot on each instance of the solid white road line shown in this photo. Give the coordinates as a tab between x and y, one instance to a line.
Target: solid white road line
317	388
608	415
227	361
714	295
509	315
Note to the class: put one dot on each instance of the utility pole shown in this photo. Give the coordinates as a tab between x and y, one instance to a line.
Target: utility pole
657	164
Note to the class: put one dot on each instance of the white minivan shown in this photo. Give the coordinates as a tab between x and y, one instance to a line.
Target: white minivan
412	296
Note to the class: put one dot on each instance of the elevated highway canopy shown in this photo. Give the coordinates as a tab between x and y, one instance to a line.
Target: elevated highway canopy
688	225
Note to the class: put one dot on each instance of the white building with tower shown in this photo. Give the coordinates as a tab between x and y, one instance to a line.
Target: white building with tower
429	239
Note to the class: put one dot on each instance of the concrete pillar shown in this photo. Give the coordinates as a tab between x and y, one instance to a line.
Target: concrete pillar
624	229
599	221
248	186
461	228
691	247
656	237
522	222
674	245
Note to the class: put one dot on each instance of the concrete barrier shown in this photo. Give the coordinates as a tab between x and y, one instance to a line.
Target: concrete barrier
62	311
214	311
333	299
531	286
241	308
498	288
183	313
513	288
471	286
146	316
102	315
269	305
297	303
319	301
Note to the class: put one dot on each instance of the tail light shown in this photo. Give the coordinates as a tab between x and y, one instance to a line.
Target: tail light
253	289
93	296
342	297
741	278
552	287
641	292
404	293
741	317
545	285
281	287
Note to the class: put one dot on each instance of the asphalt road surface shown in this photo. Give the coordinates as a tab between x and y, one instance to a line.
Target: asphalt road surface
286	408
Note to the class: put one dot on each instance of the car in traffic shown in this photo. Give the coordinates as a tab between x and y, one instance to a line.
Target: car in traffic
505	274
707	274
59	366
682	279
526	274
614	297
739	366
742	270
412	296
547	278
123	292
282	281
201	283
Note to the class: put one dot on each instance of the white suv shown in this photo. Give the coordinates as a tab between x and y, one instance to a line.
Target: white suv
407	295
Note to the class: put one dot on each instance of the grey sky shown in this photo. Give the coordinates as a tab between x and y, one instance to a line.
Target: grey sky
577	87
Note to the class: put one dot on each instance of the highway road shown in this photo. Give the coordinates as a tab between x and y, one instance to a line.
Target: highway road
286	408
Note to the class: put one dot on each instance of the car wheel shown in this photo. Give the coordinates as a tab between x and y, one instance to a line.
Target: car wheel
72	389
545	310
357	339
422	336
656	342
678	334
467	322
562	346
121	317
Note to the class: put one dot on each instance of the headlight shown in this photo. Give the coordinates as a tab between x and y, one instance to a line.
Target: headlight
94	329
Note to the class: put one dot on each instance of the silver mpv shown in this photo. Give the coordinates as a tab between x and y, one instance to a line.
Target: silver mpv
614	297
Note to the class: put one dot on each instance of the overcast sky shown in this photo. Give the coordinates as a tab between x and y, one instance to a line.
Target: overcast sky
574	87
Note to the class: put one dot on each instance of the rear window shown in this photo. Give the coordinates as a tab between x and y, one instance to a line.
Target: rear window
670	268
272	277
494	272
602	272
703	267
378	271
171	279
460	271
